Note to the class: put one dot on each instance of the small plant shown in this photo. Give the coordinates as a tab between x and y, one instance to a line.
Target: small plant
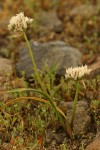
19	24
76	74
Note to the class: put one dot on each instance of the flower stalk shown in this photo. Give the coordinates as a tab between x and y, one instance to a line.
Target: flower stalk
74	104
76	74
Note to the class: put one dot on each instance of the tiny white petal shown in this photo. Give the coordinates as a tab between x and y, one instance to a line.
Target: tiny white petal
19	22
77	72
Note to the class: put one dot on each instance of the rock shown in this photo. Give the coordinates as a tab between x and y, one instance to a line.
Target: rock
95	65
49	21
82	119
95	145
89	95
95	72
5	71
57	137
6	146
52	53
84	10
98	136
5	66
69	105
95	68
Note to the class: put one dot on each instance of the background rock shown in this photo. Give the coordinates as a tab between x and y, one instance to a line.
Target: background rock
95	68
95	145
49	21
5	65
82	119
57	137
69	105
52	53
5	73
84	10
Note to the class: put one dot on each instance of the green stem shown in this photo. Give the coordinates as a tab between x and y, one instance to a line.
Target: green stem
43	88
74	104
32	58
35	70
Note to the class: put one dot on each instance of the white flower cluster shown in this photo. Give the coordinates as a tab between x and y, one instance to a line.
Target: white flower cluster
77	72
19	22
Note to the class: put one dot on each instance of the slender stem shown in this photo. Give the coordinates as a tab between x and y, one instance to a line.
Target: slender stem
74	104
32	58
43	88
35	69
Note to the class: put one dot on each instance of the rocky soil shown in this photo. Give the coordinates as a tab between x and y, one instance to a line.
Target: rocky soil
65	35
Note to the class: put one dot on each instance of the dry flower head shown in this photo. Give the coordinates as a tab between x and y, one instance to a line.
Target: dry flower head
19	23
77	72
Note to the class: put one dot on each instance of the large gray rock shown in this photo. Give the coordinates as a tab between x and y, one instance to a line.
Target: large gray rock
52	53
